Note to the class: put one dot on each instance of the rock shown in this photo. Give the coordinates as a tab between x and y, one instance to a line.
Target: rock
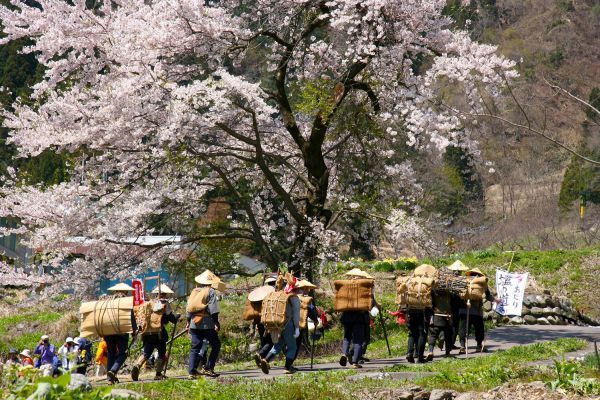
561	321
79	381
42	391
530	319
516	320
422	395
536	311
548	301
543	321
546	311
552	319
468	396
525	310
540	301
415	389
124	394
404	396
441	394
20	327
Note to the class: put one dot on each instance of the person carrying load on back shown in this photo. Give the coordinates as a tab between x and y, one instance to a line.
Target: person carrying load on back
442	322
414	296
471	310
116	345
202	313
158	337
457	268
287	326
252	313
308	311
355	313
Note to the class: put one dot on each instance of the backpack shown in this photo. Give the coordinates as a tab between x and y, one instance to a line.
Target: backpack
273	313
252	311
304	303
476	287
414	291
353	294
198	300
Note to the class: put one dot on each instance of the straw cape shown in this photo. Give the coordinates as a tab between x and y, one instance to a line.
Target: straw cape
260	293
358	272
474	271
121	287
163	289
304	284
207	278
458	266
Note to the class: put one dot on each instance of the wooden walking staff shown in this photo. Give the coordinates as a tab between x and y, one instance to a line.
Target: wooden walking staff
467	336
385	332
168	355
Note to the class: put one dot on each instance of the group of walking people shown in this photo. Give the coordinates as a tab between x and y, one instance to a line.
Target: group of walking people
449	317
285	316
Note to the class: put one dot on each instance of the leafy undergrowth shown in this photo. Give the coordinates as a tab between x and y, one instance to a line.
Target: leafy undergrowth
322	385
34	325
482	373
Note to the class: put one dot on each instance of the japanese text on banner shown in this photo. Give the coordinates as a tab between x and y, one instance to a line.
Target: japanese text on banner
511	289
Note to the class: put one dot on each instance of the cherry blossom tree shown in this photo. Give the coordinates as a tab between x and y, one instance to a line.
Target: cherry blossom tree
163	102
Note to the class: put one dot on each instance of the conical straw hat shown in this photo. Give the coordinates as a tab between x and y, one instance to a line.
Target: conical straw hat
358	272
474	271
260	293
207	278
163	289
120	287
458	266
304	284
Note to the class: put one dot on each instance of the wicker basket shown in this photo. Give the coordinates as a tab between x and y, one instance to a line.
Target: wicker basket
353	295
414	292
476	287
198	300
273	310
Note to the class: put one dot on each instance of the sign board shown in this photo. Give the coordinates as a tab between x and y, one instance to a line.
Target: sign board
511	290
138	293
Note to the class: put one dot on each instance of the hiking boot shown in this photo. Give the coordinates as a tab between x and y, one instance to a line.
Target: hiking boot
135	373
264	366
455	347
440	344
365	359
462	350
210	373
159	377
448	355
194	375
429	356
343	360
422	360
356	366
257	359
410	358
112	377
290	370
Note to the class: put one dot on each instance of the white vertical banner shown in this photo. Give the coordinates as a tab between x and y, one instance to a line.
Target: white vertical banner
511	290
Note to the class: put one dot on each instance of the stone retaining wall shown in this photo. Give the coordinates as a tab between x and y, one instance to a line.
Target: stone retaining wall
543	309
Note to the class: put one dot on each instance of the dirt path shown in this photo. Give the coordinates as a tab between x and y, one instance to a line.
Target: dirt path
498	339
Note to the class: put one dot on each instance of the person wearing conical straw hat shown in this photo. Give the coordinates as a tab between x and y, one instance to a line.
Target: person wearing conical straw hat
116	345
304	287
355	325
204	325
266	342
157	340
290	332
472	311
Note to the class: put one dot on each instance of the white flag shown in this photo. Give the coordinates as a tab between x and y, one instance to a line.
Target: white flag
511	289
